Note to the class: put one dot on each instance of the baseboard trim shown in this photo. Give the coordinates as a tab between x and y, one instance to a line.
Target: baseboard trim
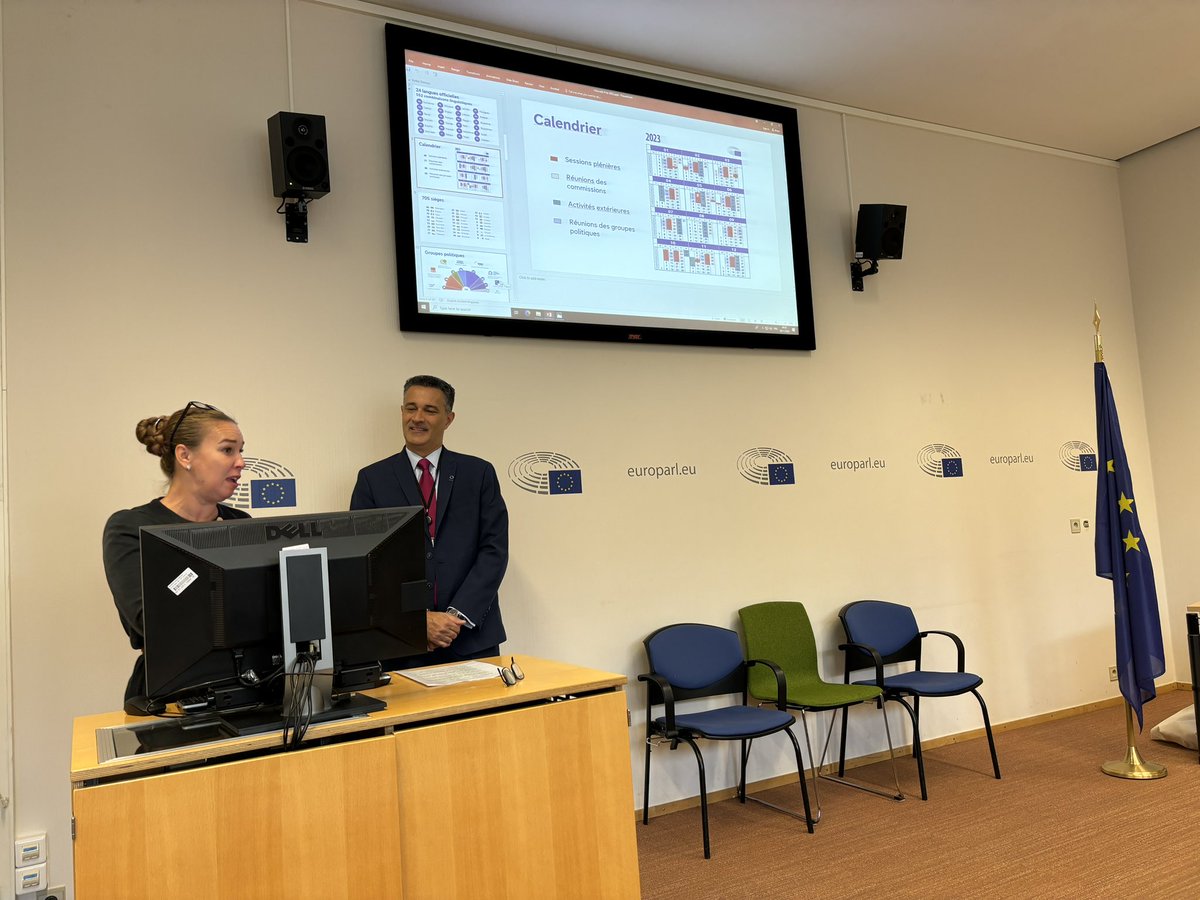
767	784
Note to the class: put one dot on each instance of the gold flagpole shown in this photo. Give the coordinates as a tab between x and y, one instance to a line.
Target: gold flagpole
1132	766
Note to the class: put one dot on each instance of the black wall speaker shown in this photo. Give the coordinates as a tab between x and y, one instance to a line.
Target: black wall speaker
880	231
299	155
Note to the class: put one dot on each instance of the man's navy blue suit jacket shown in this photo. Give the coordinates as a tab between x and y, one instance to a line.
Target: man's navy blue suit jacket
469	552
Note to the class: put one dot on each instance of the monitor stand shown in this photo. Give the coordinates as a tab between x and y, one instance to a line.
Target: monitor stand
260	721
185	731
360	678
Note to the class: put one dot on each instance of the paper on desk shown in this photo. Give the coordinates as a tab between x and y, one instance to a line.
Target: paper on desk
459	673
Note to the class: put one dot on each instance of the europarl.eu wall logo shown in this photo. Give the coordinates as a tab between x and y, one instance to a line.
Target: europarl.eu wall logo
265	484
766	465
546	472
1079	456
940	461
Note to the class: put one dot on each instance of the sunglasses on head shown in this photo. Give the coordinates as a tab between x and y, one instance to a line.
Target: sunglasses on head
192	404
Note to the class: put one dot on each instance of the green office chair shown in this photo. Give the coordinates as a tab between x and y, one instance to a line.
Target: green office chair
781	632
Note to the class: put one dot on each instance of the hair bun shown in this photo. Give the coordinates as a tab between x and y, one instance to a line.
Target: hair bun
150	433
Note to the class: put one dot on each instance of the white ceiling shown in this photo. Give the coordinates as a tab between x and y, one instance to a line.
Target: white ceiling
1104	78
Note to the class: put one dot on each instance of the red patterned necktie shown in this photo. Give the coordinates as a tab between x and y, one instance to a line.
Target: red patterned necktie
428	497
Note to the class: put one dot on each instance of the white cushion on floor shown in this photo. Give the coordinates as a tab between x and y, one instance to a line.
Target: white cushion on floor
1179	729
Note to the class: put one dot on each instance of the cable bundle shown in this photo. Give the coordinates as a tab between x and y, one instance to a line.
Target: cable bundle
298	708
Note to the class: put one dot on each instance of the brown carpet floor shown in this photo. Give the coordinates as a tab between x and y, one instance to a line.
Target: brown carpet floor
1053	826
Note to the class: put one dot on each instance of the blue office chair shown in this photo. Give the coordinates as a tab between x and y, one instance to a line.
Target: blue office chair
879	634
689	661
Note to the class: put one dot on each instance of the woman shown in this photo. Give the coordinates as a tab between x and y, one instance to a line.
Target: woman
200	451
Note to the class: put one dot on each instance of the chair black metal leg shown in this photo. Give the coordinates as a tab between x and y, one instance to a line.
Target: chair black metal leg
808	819
916	717
887	731
912	714
987	726
703	794
816	774
842	756
808	816
646	788
741	790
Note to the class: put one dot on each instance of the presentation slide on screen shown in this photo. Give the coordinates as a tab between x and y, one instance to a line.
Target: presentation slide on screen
541	198
646	209
468	282
444	217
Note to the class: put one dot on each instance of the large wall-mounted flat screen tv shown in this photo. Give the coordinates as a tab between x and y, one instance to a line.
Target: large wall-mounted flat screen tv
539	197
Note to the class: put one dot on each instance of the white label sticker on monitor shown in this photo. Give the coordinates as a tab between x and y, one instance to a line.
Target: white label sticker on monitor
180	584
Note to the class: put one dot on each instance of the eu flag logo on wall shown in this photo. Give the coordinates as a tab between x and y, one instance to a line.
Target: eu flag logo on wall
940	461
272	492
767	466
952	467
566	481
1087	462
1123	557
782	473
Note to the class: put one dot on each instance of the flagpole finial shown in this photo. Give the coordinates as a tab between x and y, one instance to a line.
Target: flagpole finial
1099	340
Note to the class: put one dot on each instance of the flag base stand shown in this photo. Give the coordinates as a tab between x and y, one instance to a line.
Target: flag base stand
1133	766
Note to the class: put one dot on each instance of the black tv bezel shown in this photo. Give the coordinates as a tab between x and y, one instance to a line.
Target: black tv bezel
232	547
402	38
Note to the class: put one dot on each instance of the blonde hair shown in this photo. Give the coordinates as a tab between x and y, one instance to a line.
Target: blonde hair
189	427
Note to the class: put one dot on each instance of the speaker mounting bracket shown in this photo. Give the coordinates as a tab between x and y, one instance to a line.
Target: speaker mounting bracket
860	269
295	219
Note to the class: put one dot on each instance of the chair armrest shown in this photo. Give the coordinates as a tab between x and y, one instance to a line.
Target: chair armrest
668	704
872	652
780	681
962	653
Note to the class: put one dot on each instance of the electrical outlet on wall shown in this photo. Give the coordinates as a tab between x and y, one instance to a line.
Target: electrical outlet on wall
58	892
1112	673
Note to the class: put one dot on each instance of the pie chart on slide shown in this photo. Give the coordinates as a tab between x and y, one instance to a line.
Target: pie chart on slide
452	275
464	280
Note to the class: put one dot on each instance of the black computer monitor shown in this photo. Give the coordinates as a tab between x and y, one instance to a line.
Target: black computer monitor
211	601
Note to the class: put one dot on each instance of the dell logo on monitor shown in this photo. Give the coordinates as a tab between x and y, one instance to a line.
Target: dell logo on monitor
293	530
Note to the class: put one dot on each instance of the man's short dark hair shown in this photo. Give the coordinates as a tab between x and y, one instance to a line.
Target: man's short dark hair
438	384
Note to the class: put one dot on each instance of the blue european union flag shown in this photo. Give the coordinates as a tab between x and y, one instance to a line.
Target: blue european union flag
781	473
1087	462
272	492
566	481
1123	557
952	467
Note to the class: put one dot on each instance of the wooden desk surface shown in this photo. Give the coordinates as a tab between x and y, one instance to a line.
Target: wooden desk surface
408	703
1193	607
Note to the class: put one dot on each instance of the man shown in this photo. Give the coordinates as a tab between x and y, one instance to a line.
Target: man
467	535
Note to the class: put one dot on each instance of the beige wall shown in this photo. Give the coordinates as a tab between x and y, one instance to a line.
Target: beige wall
1160	196
146	266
